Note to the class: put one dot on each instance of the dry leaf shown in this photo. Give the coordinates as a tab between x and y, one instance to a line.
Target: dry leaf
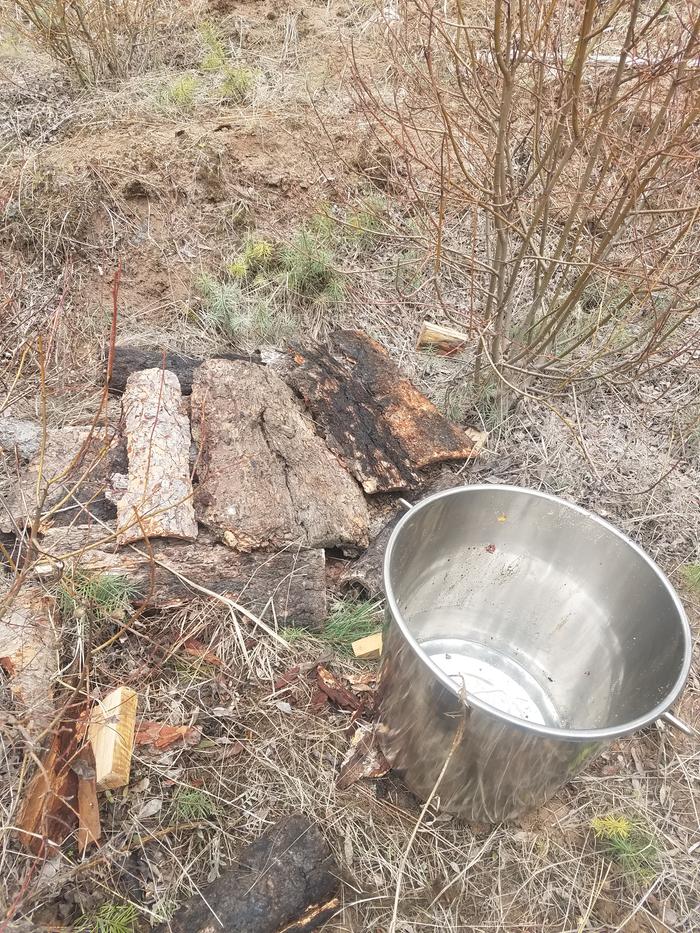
199	650
334	689
318	699
161	736
289	677
150	808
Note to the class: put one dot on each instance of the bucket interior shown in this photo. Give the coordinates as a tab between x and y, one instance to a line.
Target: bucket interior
538	609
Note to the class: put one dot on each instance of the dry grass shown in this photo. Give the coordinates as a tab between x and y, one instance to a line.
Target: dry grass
257	760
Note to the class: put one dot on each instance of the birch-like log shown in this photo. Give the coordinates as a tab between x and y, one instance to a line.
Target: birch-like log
158	498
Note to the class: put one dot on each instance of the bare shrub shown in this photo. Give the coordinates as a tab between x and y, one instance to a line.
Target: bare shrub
551	154
95	38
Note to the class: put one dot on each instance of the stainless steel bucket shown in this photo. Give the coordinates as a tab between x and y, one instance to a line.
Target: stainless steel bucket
522	635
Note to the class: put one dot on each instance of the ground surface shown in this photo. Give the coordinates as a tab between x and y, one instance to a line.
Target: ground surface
168	184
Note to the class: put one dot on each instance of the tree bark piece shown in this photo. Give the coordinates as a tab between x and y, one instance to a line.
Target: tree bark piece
445	340
20	435
72	469
129	360
291	582
266	479
28	657
372	416
286	880
158	499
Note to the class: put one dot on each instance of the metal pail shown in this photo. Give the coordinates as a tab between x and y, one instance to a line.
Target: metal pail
522	634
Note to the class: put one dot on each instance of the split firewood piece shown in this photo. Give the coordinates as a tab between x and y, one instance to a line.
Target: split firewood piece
444	340
129	360
28	657
289	585
266	479
70	469
285	880
369	648
158	498
372	416
89	826
111	734
48	813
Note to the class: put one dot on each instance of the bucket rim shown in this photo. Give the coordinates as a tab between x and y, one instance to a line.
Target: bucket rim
606	734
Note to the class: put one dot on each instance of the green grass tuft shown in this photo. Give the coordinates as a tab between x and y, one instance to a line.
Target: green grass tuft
294	633
691	576
308	269
366	222
102	596
629	844
190	804
240	311
237	83
181	92
110	918
350	620
215	51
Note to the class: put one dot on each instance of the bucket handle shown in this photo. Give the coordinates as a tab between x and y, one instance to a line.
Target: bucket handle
679	724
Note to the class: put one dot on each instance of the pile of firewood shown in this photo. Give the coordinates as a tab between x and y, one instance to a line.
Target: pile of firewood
230	478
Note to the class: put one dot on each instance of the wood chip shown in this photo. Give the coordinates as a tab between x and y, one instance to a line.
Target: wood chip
266	479
111	734
373	417
368	648
444	340
49	810
158	498
89	827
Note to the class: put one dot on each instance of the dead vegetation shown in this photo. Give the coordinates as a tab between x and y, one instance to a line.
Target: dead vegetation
224	172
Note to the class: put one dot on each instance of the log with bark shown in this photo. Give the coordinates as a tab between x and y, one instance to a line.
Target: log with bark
382	427
20	437
367	571
265	478
28	656
286	880
291	581
68	474
157	501
129	360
